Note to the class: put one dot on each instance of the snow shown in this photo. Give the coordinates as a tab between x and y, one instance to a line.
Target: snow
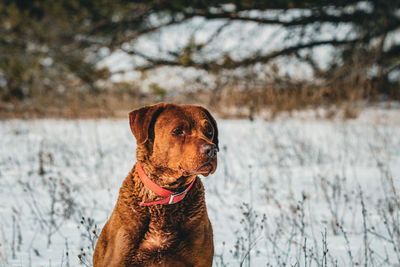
281	174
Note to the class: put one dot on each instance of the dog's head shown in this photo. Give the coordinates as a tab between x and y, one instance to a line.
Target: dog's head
180	139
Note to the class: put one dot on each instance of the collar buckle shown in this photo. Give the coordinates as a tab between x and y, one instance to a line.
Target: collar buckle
171	199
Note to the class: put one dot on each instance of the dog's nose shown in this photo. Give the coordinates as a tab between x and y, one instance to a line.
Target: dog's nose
210	150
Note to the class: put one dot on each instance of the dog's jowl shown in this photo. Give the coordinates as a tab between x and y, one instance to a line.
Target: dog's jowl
160	218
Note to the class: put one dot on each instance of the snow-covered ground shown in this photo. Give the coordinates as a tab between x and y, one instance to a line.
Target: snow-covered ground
291	191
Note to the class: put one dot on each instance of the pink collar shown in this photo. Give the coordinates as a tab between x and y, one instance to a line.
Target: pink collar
168	196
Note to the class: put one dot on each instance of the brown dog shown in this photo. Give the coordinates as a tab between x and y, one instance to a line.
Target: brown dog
174	144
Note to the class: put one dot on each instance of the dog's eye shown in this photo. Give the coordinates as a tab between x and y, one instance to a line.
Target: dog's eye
178	131
209	132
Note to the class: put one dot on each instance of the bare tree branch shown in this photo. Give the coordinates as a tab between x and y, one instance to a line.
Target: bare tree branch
358	16
230	63
136	34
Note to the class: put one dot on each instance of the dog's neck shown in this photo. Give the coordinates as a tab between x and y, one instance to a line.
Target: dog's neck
167	178
133	191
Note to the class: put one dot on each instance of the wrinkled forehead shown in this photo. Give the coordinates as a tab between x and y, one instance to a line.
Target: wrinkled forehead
174	115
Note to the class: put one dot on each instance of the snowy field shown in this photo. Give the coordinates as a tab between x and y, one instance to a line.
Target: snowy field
289	192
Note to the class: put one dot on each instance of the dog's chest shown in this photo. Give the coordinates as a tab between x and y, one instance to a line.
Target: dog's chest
171	245
160	238
159	247
157	239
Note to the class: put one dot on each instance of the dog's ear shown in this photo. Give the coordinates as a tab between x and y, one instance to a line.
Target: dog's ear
214	125
141	120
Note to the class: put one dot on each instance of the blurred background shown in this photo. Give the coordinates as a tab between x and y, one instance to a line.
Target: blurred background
99	58
306	96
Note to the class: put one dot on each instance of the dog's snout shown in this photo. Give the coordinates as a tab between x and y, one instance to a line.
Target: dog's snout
210	150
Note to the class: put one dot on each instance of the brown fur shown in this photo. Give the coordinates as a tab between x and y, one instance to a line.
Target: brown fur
163	235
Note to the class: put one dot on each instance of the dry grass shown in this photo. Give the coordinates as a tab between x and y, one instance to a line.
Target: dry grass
229	101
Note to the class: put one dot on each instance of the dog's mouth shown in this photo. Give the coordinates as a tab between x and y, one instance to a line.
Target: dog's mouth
205	169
